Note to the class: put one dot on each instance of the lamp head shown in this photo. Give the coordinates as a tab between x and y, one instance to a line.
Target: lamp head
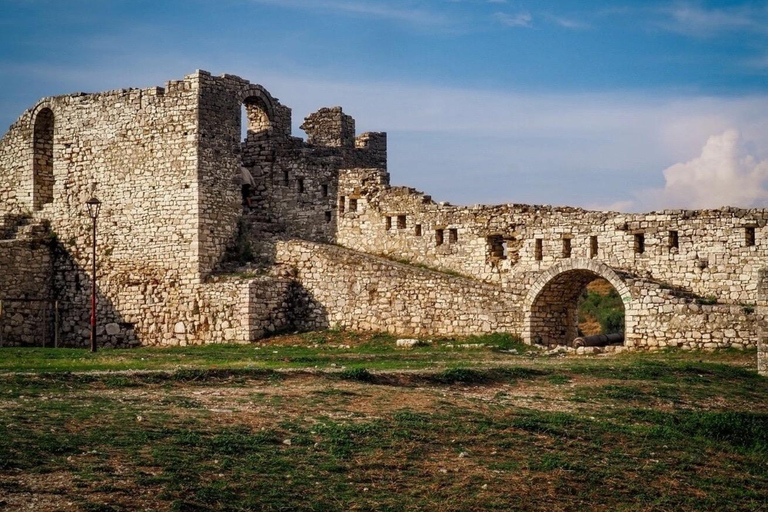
94	206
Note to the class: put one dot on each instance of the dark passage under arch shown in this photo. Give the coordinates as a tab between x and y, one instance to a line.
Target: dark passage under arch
554	312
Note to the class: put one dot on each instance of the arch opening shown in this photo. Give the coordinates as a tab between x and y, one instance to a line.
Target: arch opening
575	303
42	164
254	117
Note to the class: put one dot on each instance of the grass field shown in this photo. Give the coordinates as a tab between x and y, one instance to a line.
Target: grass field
340	421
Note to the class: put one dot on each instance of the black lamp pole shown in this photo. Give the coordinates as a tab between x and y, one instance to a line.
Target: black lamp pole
94	205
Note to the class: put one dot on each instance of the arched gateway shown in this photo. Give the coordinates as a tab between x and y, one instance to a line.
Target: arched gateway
551	305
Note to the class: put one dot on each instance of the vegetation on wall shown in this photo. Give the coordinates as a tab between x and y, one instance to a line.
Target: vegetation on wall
601	305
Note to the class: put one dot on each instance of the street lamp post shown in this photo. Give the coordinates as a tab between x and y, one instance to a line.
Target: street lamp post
93	205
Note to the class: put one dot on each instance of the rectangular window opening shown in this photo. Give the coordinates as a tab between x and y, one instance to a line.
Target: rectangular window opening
342	200
300	183
401	222
325	190
389	222
593	246
285	178
749	236
639	243
674	241
566	247
417	229
327	216
438	237
539	249
352	205
453	235
497	247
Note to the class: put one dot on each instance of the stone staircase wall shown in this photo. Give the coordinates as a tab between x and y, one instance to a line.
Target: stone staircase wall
357	291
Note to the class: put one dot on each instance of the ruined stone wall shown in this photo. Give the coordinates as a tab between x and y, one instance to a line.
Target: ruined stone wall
140	148
708	253
25	289
361	292
16	168
167	166
661	321
233	309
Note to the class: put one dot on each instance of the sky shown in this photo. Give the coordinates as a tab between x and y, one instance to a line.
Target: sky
620	105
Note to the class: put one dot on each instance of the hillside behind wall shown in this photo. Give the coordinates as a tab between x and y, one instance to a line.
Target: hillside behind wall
362	292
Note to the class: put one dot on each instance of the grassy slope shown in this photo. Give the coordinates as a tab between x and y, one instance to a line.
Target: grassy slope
675	431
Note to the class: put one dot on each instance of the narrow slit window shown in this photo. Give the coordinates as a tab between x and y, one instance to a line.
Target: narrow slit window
417	230
389	223
300	185
285	178
352	205
674	241
325	190
401	222
327	216
342	200
539	249
453	235
438	237
593	246
639	243
566	247
749	236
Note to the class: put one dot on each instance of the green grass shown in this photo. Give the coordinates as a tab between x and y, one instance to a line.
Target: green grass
223	429
316	349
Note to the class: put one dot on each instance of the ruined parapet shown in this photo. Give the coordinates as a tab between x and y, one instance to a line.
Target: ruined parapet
330	127
762	311
374	146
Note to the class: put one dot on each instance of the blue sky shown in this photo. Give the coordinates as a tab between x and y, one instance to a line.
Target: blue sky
622	105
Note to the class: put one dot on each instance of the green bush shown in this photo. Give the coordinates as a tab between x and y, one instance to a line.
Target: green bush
608	310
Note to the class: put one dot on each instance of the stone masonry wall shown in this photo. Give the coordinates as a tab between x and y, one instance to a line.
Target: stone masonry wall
167	161
140	148
361	292
704	252
25	289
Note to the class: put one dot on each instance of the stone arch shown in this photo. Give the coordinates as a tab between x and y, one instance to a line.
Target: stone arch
550	306
259	108
43	124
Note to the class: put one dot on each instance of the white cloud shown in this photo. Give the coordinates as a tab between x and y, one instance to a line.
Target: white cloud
567	22
724	174
367	9
695	20
521	19
480	146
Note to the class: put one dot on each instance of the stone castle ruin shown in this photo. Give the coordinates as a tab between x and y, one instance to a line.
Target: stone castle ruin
328	241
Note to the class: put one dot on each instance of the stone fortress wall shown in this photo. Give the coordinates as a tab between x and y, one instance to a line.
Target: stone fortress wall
167	161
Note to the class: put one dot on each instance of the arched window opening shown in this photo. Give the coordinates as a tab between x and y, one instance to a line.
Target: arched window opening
254	117
42	167
577	304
